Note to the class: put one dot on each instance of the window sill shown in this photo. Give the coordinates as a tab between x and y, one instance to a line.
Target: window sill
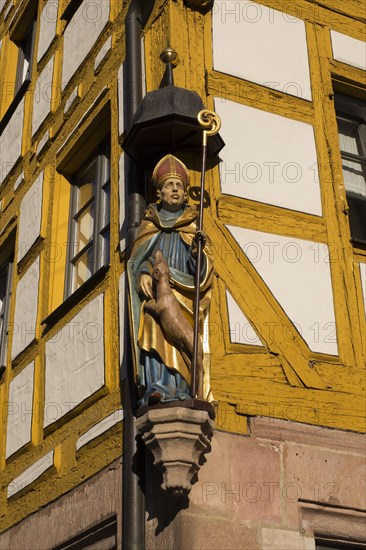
75	297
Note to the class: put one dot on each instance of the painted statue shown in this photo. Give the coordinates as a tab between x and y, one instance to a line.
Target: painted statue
161	284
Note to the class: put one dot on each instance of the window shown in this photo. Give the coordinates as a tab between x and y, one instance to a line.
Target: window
25	55
351	118
336	545
18	63
6	270
89	219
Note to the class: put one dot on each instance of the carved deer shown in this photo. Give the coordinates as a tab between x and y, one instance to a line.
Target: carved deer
166	307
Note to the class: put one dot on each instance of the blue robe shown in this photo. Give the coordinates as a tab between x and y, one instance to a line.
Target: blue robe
159	365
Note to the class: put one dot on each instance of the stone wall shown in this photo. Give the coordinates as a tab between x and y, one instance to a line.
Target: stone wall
276	489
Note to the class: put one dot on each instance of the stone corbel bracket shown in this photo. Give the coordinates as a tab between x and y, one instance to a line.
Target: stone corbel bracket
177	436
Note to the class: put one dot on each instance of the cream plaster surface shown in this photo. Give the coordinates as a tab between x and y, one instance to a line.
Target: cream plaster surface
47	33
262	45
349	50
363	281
100	428
268	158
297	273
26	307
30	217
74	362
241	331
31	474
19	181
102	52
81	34
42	96
11	141
42	142
70	100
19	428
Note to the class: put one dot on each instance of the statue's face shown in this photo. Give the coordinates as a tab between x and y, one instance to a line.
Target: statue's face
172	194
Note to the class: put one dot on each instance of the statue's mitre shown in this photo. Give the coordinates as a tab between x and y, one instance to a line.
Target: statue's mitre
169	167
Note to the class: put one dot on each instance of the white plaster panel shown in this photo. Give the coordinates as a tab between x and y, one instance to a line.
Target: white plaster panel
120	100
262	45
7	11
11	141
20	403
241	331
30	217
268	158
26	306
42	142
100	428
42	96
31	474
47	31
71	99
81	34
297	272
75	362
103	52
19	181
363	282
349	50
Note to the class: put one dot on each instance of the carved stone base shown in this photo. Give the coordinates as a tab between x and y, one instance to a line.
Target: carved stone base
177	436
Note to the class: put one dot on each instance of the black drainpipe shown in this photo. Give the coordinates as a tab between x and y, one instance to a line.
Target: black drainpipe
133	501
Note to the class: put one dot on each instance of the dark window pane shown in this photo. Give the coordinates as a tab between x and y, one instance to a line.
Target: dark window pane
89	222
351	124
84	228
83	268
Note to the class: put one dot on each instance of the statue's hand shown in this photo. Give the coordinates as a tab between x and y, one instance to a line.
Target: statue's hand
199	236
145	286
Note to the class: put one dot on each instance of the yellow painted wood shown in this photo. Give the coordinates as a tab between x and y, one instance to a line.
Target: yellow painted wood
262	310
284	379
38	400
228	420
347	18
57	244
260	217
9	57
240	366
268	398
51	488
248	93
334	201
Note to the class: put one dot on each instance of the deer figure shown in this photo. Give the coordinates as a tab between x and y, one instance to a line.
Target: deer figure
167	309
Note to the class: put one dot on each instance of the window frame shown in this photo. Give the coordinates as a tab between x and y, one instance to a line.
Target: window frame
100	239
25	55
6	271
335	544
353	110
23	36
